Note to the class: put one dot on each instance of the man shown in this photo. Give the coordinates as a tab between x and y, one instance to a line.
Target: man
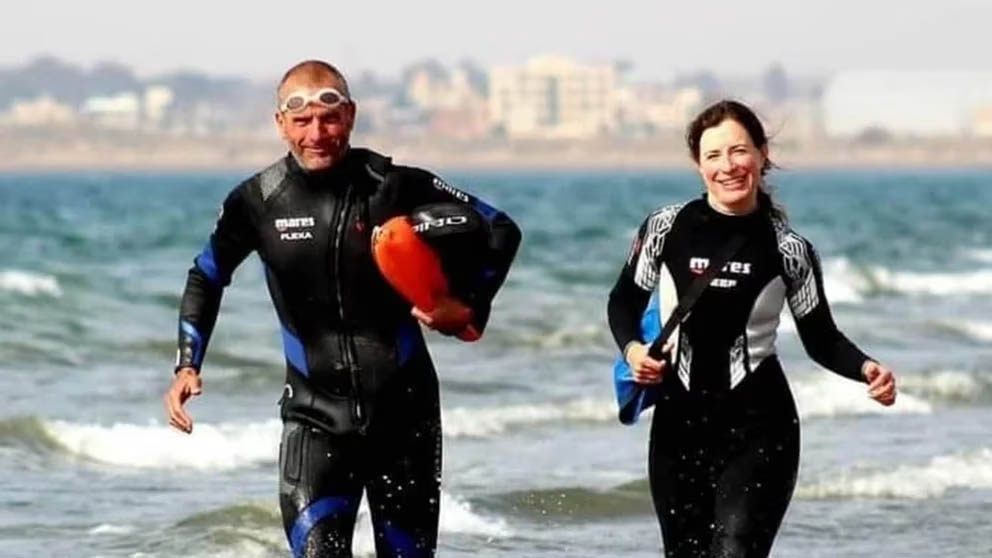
360	405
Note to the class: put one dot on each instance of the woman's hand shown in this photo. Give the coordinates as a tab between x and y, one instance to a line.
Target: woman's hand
881	382
646	370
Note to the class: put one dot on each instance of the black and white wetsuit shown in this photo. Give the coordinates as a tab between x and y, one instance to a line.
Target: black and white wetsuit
724	447
360	405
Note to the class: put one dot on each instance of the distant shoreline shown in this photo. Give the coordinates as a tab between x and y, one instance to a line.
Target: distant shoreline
118	152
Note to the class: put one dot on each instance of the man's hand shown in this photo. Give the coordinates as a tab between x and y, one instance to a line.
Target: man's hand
881	382
186	384
449	316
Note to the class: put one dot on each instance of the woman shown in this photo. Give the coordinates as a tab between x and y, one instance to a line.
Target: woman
724	447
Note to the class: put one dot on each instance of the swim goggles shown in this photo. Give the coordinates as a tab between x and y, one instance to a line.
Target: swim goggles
326	97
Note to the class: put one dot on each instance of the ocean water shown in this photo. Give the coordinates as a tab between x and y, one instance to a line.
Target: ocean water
535	463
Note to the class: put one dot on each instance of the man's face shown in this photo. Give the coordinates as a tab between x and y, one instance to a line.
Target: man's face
317	135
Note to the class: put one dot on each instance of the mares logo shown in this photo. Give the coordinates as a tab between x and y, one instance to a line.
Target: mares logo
293	223
698	266
439	223
445	187
284	224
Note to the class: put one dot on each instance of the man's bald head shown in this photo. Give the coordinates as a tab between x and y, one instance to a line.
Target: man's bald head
312	74
318	132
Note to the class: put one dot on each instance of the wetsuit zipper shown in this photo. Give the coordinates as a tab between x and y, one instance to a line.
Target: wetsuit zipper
351	360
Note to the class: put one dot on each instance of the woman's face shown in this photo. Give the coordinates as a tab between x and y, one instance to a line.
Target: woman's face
730	165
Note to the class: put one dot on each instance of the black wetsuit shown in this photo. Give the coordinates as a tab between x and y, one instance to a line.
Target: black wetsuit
724	447
361	405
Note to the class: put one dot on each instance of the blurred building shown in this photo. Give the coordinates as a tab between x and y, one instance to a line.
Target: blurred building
651	109
982	123
373	113
905	104
467	122
553	97
157	101
42	111
451	103
794	122
199	119
119	112
428	86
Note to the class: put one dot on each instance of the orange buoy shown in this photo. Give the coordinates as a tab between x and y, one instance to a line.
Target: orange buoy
408	263
412	266
469	334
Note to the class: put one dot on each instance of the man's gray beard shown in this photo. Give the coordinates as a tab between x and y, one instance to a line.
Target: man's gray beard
299	160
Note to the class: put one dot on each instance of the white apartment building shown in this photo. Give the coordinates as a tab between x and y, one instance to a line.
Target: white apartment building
553	97
42	111
119	112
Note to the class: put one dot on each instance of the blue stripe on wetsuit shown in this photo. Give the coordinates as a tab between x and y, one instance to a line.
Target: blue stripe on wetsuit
192	338
207	263
406	342
487	211
311	516
402	544
295	353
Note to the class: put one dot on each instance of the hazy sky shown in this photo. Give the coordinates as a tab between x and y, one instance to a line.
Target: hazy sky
261	39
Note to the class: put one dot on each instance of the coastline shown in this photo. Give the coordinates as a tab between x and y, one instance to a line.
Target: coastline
148	152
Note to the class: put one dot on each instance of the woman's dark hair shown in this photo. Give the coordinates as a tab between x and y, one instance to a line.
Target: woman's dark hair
727	109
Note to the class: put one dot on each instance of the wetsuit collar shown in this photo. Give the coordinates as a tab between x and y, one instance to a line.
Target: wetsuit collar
718	218
363	168
757	207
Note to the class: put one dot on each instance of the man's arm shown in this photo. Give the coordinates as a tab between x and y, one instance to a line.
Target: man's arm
504	236
232	240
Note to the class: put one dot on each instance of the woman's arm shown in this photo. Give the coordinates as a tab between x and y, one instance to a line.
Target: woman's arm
824	343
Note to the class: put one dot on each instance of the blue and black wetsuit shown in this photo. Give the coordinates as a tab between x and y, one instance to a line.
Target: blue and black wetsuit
724	449
361	405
